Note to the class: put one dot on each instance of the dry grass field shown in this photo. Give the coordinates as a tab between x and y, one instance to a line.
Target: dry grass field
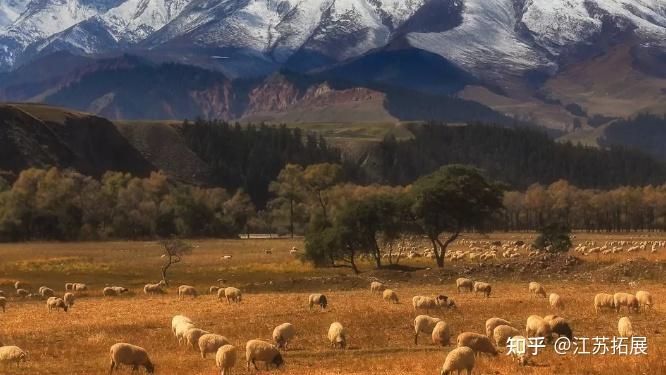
275	291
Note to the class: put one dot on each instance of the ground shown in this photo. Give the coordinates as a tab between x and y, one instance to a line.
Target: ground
276	288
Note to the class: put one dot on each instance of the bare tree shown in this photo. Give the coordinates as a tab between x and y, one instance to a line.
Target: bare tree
174	250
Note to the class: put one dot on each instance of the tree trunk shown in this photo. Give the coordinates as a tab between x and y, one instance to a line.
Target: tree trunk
165	267
291	217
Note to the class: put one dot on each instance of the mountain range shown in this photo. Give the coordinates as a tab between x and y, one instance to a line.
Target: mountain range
561	64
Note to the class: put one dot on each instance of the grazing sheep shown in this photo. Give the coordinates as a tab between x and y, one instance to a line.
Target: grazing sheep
644	298
12	354
477	342
317	299
536	326
429	303
192	337
120	289
210	342
80	287
186	290
624	327
337	335
55	303
559	325
262	351
21	285
537	289
463	283
232	294
3	303
424	324
502	334
390	296
213	289
625	299
441	334
181	329
46	292
520	349
69	299
494	322
602	301
69	286
113	291
481	287
556	301
458	359
225	359
177	320
154	288
377	287
282	334
130	355
22	293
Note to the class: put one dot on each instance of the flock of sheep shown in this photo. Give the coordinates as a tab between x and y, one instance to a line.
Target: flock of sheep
614	247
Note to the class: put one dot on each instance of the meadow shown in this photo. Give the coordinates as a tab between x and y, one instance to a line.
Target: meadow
276	288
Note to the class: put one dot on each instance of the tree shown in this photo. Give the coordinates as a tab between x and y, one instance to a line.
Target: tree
318	178
241	209
554	238
174	250
450	200
289	186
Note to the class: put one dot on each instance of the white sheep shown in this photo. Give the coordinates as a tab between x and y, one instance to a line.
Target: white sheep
181	329
231	294
536	326
262	351
494	322
192	337
502	333
69	299
225	359
317	299
112	291
390	296
282	334
12	354
3	303
537	289
21	285
213	289
69	286
177	320
458	359
186	290
441	334
130	355
337	335
556	302
644	298
464	283
603	301
520	350
429	303
155	288
424	324
625	299
55	303
377	287
22	293
80	287
484	288
624	327
477	342
46	292
210	342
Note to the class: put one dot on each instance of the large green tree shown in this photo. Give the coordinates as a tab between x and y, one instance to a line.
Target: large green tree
289	187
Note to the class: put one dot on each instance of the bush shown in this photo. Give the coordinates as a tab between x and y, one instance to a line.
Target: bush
554	238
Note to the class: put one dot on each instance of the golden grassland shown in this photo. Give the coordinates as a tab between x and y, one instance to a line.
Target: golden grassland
381	335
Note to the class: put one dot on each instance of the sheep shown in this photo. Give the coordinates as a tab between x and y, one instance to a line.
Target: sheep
69	299
46	292
477	342
424	324
80	287
210	342
536	326
22	293
192	336
21	285
231	294
502	334
458	359
625	299
624	327
282	334
154	288
644	298
494	322
390	296
225	359
481	287
12	354
465	284
213	289
428	303
177	320
337	335
112	291
56	303
559	325
3	303
603	300
181	329
537	289
262	351
520	352
441	334
69	286
556	301
186	290
377	287
317	299
130	355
